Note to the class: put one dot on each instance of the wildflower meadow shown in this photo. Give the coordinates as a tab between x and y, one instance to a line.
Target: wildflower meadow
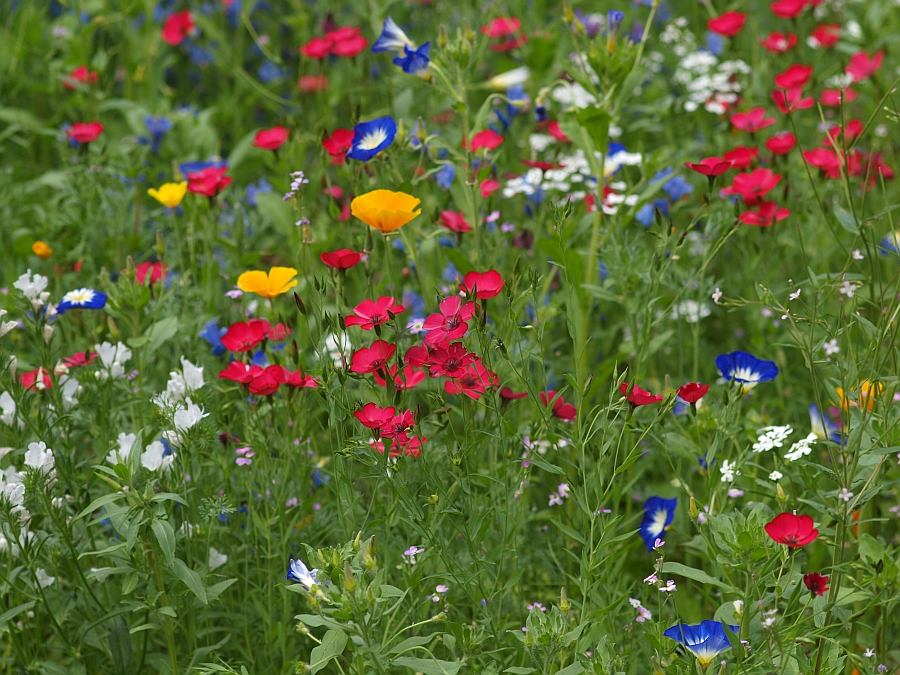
376	337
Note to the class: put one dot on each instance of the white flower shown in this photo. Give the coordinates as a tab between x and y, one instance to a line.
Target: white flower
794	295
33	288
193	376
845	494
769	621
70	390
729	471
7	409
510	78
857	255
43	578
801	448
153	458
216	559
6	326
113	357
776	476
717	295
187	418
120	454
771	437
299	573
831	347
691	311
848	288
12	489
39	457
175	387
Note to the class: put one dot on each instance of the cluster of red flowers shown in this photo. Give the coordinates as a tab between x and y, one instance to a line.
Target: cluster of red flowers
209	182
392	424
347	41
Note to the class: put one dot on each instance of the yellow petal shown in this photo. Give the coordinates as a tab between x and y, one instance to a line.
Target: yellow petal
281	279
255	281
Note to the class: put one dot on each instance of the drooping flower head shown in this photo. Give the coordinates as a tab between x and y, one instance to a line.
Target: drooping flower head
385	210
745	368
658	515
82	298
169	194
269	285
791	530
705	640
415	61
370	138
392	39
299	573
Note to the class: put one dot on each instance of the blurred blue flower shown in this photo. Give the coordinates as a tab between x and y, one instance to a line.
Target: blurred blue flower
715	44
677	188
450	273
269	72
201	57
658	515
415	61
259	359
213	335
745	368
445	175
198	166
392	39
413	303
823	427
157	128
647	213
252	190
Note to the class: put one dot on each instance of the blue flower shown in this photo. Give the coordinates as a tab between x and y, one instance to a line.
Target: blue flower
450	273
746	369
82	298
445	175
714	43
706	640
658	515
677	188
415	61
269	72
682	407
613	24
647	212
318	478
370	138
213	335
259	359
299	573
392	39
197	167
157	128
201	57
252	190
414	303
890	243
823	427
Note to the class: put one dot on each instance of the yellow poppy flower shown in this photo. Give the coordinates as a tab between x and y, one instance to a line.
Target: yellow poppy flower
385	210
41	250
279	280
867	393
169	194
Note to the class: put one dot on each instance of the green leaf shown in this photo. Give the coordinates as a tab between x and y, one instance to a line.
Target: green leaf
568	531
870	549
160	332
409	643
190	579
100	501
216	590
15	611
518	670
430	666
574	669
276	210
846	219
332	646
165	535
120	647
168	496
695	574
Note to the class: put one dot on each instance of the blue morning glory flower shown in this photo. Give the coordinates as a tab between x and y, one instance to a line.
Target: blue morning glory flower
213	335
890	243
677	188
299	573
746	369
658	515
823	427
445	175
415	61
370	138
706	640
82	298
392	39
157	128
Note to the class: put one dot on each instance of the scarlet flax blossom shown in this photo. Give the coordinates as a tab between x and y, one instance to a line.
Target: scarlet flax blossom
240	372
156	271
371	359
766	214
728	24
795	76
692	392
455	222
788	9
862	66
450	361
790	100
781	144
371	313
488	139
793	531
242	337
752	120
816	583
637	396
753	186
474	382
825	36
37	379
485	285
779	43
508	394
373	416
80	359
178	27
267	382
450	322
209	182
562	410
81	75
407	378
710	166
341	259
270	139
84	132
338	145
742	157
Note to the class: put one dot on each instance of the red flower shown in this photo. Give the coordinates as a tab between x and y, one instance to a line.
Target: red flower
417	356
84	132
509	44
557	133
370	359
80	74
824	159
825	35
742	157
794	77
816	583
779	43
754	185
791	100
408	378
501	27
411	447
298	380
711	166
371	313
765	215
473	382
862	66
450	361
80	359
791	530
268	381
338	144
341	259
561	409
398	425
177	27
455	222
788	9
242	337
343	33
157	271
350	47
37	379
638	397
692	392
279	332
543	166
209	182
488	187
450	323
752	120
781	144
487	285
317	48
372	416
854	129
509	395
270	139
727	25
832	97
310	84
240	372
488	139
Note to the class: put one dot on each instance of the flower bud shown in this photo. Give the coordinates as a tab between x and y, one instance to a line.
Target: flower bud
160	245
349	579
563	601
568	14
13	365
782	498
693	510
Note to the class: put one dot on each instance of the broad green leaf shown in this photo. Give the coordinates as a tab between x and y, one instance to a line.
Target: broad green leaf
430	666
332	646
190	579
15	611
409	643
573	669
160	332
165	535
847	220
100	501
695	574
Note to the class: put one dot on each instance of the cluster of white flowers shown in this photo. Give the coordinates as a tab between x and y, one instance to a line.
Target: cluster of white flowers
186	382
113	357
729	471
771	437
32	288
691	311
801	448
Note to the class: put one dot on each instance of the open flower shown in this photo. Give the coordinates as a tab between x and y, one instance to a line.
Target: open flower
392	39
370	138
728	24
371	359
299	573
745	368
385	210
209	181
82	298
178	27
791	530
371	313
692	392
637	396
705	640
485	285
169	194
270	139
84	133
816	583
658	515
269	285
450	323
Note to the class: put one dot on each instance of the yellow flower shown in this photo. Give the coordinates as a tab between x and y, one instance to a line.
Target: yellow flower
41	250
867	393
385	210
169	194
279	280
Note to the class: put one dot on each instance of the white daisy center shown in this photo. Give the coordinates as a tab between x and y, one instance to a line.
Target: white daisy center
80	296
373	139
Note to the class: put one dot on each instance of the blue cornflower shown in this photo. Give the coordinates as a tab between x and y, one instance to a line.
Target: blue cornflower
392	39
213	335
706	640
318	478
445	175
658	515
414	303
823	427
677	188
252	190
450	273
157	128
715	44
415	61
647	212
604	271
299	573
82	298
746	369
269	72
260	359
197	167
370	138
